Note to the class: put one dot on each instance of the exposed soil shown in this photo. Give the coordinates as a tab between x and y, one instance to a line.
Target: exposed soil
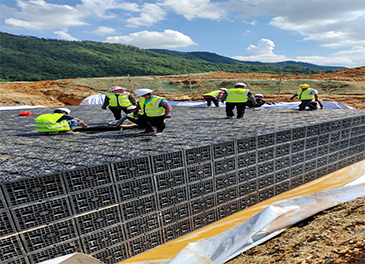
62	92
327	237
333	236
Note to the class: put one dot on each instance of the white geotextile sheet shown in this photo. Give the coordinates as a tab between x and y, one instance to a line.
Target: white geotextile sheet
13	107
74	258
96	99
263	226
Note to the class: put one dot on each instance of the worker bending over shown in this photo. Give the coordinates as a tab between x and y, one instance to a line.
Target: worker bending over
214	97
152	111
58	122
237	97
259	101
307	95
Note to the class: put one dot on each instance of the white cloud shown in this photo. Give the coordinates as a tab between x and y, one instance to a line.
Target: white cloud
39	15
150	14
336	23
262	52
104	31
154	39
350	58
62	34
191	9
104	8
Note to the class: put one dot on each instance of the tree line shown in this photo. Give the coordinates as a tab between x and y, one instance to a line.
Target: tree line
25	58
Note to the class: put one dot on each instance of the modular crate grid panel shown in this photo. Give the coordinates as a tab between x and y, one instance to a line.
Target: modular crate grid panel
118	210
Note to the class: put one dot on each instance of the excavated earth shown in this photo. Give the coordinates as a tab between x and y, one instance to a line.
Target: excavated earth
336	235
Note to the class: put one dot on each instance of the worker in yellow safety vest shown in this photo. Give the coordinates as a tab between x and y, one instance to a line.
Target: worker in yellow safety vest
307	96
152	111
58	122
237	97
118	99
214	97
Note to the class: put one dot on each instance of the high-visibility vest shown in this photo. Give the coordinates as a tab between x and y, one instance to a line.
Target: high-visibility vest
305	95
48	123
132	116
152	108
122	100
214	93
237	95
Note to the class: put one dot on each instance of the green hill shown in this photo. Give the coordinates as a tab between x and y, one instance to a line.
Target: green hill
215	58
25	58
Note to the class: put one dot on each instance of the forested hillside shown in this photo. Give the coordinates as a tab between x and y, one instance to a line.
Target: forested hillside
25	58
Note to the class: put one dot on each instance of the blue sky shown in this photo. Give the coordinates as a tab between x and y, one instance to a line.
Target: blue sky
322	32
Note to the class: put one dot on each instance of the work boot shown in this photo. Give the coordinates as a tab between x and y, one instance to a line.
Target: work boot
70	132
159	133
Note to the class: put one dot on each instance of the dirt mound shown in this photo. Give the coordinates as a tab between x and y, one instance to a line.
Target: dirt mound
64	92
353	74
48	93
333	236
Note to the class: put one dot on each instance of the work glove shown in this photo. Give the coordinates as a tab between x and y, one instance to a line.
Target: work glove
167	115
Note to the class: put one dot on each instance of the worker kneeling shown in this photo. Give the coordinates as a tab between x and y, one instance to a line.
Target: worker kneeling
58	122
152	111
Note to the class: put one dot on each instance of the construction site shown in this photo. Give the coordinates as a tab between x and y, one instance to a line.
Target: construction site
123	197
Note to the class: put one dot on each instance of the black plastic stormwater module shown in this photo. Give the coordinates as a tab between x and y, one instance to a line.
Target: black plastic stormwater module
118	193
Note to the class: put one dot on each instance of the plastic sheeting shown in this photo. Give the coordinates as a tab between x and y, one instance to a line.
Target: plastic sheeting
74	258
13	107
263	226
96	99
294	105
227	238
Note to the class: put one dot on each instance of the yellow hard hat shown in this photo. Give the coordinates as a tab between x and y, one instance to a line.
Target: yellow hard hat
302	86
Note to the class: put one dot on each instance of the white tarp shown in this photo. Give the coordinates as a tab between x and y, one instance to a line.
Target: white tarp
96	99
13	107
268	223
74	258
293	105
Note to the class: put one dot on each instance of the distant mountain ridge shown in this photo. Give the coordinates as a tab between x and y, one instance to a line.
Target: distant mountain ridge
27	58
215	58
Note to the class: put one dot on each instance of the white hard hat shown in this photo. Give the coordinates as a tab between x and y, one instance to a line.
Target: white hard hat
223	89
61	110
141	92
240	85
259	95
131	107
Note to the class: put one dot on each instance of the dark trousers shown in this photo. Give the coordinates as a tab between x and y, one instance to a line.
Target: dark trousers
210	100
148	122
240	109
308	103
117	111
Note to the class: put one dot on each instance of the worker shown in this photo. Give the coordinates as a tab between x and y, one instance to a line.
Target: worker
214	97
306	95
153	111
259	101
131	116
237	97
58	122
118	99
